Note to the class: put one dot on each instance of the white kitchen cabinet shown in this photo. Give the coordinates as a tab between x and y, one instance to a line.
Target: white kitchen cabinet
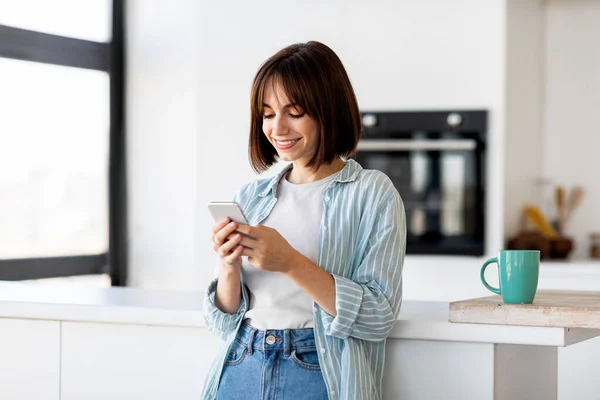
29	359
410	364
578	368
118	361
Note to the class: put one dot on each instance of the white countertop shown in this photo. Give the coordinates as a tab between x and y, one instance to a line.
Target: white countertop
424	320
109	305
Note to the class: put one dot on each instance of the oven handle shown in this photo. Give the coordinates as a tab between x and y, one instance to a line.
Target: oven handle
415	144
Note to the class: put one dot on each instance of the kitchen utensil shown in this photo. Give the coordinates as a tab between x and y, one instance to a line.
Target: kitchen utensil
535	217
573	201
559	197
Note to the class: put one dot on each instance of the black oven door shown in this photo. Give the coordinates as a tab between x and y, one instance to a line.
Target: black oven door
440	179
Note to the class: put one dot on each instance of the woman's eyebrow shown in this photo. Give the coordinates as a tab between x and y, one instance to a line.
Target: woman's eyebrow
291	105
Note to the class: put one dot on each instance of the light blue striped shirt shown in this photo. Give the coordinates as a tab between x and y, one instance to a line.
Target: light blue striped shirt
362	242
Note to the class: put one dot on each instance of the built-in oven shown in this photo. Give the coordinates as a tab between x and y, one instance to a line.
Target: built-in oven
436	160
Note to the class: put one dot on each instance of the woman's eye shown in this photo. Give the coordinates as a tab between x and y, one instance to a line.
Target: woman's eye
268	116
297	115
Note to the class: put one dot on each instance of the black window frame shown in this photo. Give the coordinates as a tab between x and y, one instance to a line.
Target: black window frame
27	45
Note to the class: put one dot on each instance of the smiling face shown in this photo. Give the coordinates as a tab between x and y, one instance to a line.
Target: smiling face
293	133
323	126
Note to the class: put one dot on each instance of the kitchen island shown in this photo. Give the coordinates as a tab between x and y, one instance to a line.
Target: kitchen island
125	343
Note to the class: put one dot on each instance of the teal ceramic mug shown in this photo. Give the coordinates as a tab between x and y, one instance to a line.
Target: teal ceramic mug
518	273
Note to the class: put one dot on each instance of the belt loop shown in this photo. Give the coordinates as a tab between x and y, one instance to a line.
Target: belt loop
286	343
251	341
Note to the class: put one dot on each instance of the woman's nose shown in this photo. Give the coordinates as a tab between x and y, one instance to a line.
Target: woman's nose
279	126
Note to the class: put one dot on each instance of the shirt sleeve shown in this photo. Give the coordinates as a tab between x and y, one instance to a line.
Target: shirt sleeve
217	321
367	304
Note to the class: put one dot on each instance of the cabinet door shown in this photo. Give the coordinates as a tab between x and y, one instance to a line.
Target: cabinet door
578	367
29	359
114	361
424	370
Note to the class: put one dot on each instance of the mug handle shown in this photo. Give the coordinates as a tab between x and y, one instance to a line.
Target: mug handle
482	277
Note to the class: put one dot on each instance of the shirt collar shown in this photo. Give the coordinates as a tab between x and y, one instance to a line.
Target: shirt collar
347	174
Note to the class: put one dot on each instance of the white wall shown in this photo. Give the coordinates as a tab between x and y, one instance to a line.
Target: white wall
553	91
572	134
162	142
189	74
525	83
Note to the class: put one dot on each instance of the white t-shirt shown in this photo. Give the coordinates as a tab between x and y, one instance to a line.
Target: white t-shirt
276	302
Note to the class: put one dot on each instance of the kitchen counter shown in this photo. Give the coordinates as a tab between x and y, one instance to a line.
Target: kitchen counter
159	342
550	308
105	305
426	320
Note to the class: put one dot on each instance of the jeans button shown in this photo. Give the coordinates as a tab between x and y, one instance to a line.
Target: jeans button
270	339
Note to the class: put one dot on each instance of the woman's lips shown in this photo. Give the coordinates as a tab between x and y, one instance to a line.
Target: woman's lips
285	144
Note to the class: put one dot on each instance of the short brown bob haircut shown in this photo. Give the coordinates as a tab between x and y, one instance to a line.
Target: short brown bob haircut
314	79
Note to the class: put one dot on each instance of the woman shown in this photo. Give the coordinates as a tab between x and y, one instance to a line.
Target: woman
306	314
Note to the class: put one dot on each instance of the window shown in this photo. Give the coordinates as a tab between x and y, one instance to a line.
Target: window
89	19
62	164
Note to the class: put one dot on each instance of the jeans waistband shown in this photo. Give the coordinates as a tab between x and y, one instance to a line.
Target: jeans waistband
287	340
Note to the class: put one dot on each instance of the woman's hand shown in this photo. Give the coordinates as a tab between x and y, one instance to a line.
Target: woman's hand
226	242
267	249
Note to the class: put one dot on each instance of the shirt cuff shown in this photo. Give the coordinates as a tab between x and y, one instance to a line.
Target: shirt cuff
217	320
348	299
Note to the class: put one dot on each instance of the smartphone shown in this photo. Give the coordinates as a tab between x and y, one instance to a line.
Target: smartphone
231	209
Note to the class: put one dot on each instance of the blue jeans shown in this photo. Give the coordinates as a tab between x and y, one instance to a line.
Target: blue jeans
272	364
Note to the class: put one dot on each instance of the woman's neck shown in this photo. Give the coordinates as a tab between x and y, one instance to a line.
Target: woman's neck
301	174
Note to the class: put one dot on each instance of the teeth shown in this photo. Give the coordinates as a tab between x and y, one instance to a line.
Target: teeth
287	142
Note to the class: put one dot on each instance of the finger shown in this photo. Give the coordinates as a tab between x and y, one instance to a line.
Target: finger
245	229
223	233
233	256
248	230
232	235
250	243
228	246
216	248
219	225
248	252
